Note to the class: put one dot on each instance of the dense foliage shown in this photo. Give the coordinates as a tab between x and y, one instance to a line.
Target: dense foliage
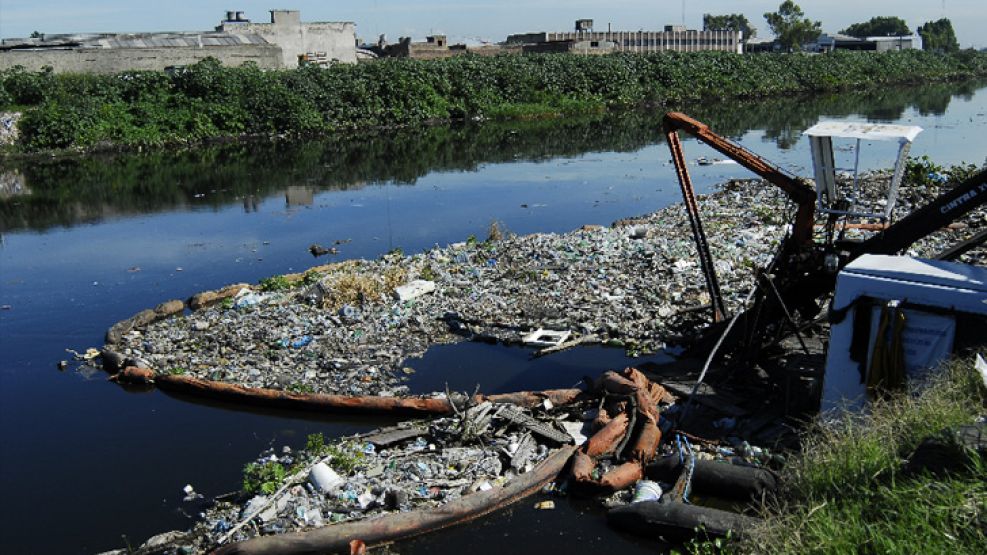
878	27
70	190
731	22
207	100
791	27
938	36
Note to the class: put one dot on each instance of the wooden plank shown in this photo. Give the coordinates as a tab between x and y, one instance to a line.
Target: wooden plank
391	436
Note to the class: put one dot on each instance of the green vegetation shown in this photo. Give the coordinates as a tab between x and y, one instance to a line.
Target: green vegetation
207	100
275	283
938	36
264	478
176	371
300	388
343	457
847	492
67	190
878	27
731	22
791	26
923	171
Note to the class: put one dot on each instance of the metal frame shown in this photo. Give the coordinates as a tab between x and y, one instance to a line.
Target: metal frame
824	166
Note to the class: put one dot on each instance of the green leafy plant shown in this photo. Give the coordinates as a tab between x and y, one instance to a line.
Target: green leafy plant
428	273
301	388
311	277
343	457
315	444
264	478
275	283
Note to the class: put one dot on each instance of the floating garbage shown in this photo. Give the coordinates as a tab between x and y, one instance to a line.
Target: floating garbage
646	490
414	290
296	343
479	459
324	478
546	338
634	285
247	298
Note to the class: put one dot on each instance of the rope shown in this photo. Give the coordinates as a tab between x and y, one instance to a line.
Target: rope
887	366
684	483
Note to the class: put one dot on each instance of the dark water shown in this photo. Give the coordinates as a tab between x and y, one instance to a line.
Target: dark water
90	241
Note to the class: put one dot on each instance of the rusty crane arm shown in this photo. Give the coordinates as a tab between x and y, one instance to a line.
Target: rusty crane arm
798	191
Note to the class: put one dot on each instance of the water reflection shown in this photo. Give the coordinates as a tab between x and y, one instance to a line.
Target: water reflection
66	192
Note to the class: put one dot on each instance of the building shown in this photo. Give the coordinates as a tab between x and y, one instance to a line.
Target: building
884	44
580	47
674	38
436	47
836	41
299	42
285	42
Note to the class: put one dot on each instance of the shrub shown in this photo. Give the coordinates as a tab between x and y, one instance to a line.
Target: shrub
28	88
207	99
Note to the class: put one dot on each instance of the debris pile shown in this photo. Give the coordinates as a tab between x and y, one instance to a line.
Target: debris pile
347	328
410	467
629	455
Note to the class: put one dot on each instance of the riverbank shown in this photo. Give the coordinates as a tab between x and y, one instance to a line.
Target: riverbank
41	192
859	483
207	101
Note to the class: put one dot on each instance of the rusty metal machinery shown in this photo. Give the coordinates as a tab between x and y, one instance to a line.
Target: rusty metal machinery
804	270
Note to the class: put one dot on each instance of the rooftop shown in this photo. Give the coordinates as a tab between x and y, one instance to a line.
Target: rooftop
138	40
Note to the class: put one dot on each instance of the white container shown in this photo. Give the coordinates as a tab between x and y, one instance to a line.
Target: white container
324	478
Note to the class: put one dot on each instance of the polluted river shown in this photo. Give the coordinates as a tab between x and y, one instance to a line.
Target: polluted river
89	466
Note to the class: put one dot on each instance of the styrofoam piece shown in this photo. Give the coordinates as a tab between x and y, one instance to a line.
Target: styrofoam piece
546	338
413	290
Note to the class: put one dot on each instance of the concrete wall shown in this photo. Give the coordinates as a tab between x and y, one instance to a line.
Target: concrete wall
903	43
114	60
432	51
336	39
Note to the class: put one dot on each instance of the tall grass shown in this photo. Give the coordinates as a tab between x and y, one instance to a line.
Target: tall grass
846	491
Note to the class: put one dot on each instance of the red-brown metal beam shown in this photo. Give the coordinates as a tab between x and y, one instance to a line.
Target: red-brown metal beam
797	190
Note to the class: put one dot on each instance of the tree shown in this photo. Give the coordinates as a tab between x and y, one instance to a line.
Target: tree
791	26
878	27
732	22
939	36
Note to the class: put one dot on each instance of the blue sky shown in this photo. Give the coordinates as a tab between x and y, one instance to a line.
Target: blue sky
489	20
